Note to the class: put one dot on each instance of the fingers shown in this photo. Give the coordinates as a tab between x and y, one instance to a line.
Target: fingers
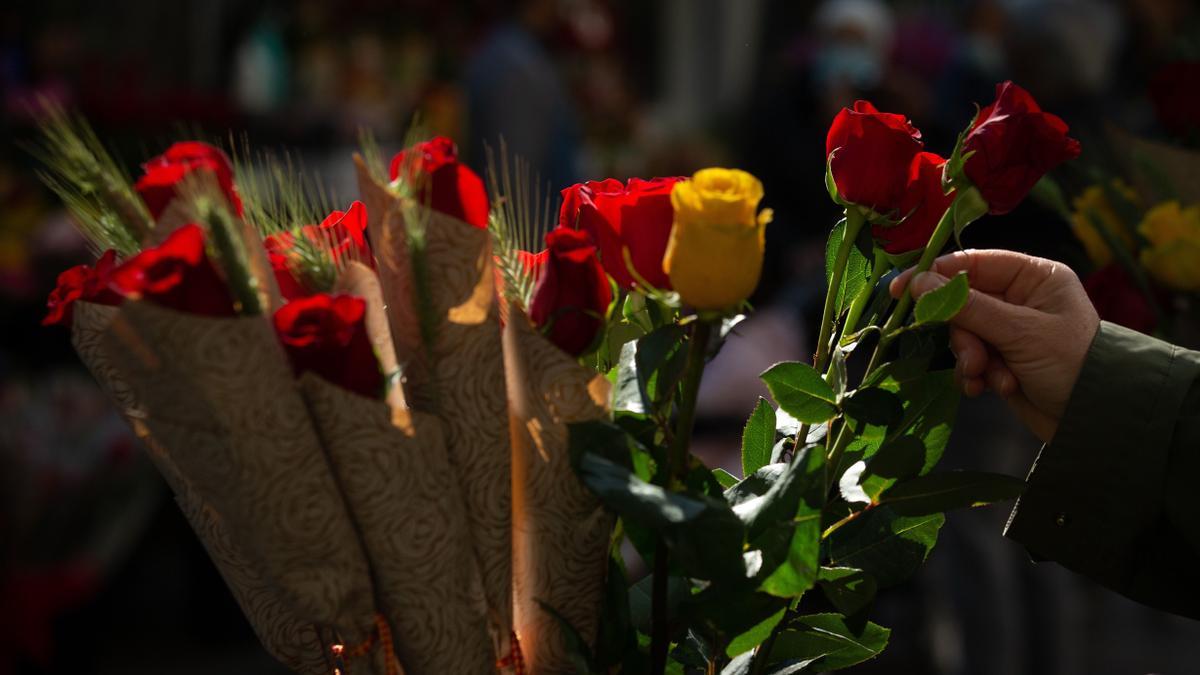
969	350
992	320
996	271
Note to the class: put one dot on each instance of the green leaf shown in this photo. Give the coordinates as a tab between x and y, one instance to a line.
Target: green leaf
754	637
886	545
874	406
758	438
827	637
641	600
896	460
941	304
939	492
704	534
756	484
726	479
787	525
856	275
724	611
968	207
848	589
615	635
800	391
602	439
930	405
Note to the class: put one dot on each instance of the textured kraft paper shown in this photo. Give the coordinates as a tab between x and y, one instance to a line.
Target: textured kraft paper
407	503
464	381
561	532
293	642
220	396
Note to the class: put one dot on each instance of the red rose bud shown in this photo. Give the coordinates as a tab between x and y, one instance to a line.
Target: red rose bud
636	216
342	233
82	283
923	205
869	154
1015	144
176	274
446	186
161	175
326	334
572	294
1117	298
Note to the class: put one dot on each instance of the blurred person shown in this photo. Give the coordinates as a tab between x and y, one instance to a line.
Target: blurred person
515	92
1109	495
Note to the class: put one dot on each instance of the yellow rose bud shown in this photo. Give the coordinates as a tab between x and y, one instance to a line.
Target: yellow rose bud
715	253
1173	256
1092	206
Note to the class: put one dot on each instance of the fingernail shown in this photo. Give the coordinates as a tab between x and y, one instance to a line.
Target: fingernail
927	281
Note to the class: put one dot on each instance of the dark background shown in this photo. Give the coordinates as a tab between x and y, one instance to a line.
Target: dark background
99	572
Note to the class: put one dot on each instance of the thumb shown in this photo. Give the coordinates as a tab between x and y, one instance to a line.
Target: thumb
992	319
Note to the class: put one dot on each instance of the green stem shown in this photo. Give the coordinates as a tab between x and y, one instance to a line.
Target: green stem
762	653
854	223
677	463
937	241
859	305
226	239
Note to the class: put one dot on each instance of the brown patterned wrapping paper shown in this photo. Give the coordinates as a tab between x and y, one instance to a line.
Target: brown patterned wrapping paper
406	501
561	532
464	383
293	642
219	394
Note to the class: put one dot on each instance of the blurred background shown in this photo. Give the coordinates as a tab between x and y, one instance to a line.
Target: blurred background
99	572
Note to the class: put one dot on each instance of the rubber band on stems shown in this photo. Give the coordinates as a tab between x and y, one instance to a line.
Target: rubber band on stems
382	635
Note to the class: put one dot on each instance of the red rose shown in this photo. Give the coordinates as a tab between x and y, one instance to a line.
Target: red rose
445	185
326	334
1117	298
923	205
1015	144
162	174
869	154
635	216
82	283
342	234
572	294
176	274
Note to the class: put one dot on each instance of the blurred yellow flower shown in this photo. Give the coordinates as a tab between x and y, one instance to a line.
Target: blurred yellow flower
1173	254
1092	206
715	253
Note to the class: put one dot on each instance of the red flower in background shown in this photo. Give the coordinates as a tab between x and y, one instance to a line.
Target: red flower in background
572	294
342	233
444	184
162	174
923	205
869	154
635	216
1015	144
1117	298
81	283
326	334
176	274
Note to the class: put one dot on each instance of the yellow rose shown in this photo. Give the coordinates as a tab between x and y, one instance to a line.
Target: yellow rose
1094	205
714	256
1173	256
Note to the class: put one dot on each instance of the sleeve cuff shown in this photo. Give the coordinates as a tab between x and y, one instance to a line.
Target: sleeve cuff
1098	486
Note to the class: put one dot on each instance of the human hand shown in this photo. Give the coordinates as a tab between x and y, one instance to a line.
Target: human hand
1023	333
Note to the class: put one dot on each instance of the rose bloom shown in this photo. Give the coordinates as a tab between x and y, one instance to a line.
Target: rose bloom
162	174
176	274
869	154
81	283
1173	254
443	184
635	216
572	294
923	206
1015	144
327	335
1092	204
715	254
342	235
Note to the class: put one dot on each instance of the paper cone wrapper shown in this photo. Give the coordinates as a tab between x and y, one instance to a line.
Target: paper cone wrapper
464	381
406	501
294	642
561	532
219	396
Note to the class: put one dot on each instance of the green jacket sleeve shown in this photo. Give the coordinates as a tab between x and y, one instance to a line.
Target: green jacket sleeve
1115	495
